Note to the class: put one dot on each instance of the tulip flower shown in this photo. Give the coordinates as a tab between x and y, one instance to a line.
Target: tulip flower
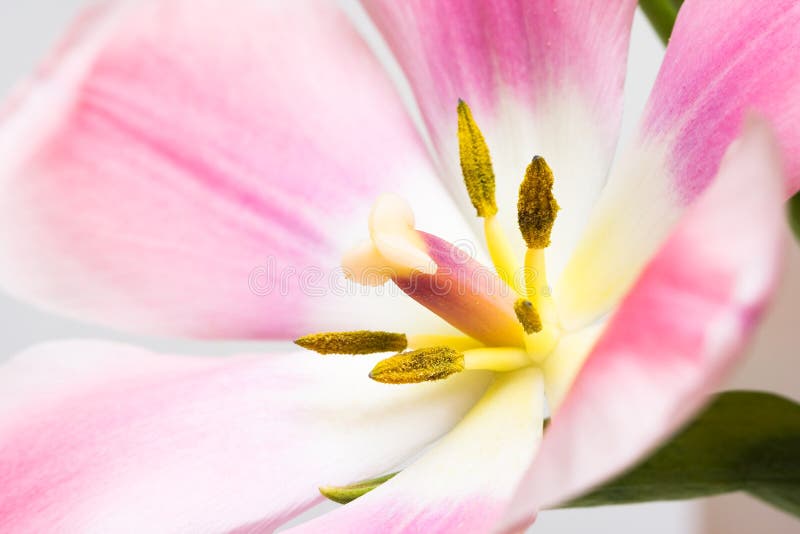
247	170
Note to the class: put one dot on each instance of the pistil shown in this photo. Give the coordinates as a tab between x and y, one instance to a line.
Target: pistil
435	273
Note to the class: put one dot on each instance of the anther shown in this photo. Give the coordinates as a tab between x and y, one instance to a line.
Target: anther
423	365
476	164
357	342
537	207
528	317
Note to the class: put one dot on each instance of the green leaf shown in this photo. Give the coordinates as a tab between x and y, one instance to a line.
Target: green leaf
346	494
744	441
794	214
661	14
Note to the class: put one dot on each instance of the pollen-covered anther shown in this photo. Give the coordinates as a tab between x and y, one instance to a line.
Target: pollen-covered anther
423	365
476	163
528	317
476	167
356	342
537	207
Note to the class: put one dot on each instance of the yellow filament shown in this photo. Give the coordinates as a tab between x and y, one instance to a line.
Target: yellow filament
459	343
503	257
541	344
537	289
496	359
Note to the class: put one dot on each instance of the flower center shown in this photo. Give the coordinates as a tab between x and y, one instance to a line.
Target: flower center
506	315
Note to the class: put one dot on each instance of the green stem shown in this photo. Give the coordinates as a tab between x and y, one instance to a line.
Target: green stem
661	14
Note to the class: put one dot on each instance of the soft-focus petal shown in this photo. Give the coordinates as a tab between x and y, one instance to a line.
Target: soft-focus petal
542	78
464	482
675	335
725	58
198	167
750	52
101	437
566	360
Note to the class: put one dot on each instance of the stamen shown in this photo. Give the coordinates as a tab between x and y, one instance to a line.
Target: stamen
536	213
537	207
346	494
528	317
476	167
357	342
423	365
476	164
501	359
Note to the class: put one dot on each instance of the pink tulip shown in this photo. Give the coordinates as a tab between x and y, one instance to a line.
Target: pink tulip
199	168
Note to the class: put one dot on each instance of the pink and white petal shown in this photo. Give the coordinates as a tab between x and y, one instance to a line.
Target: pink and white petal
103	437
675	335
751	50
542	78
463	483
199	167
725	58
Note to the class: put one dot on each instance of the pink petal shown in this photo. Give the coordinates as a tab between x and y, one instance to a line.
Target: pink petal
542	78
461	484
750	52
675	335
725	58
101	437
199	167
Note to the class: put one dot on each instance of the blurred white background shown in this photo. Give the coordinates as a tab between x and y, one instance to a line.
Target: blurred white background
28	28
